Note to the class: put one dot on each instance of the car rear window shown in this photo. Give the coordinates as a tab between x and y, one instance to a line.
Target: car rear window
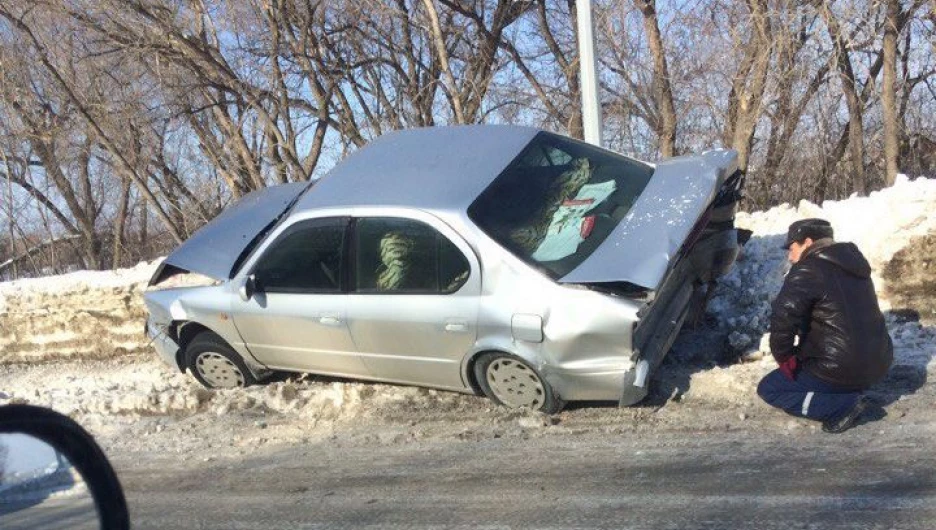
558	201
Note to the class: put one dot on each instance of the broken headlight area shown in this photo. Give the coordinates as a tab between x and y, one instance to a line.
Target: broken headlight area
170	277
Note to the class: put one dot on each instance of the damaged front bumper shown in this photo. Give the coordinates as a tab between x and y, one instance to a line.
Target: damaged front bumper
166	347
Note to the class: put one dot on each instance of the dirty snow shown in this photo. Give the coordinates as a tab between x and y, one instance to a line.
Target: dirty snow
75	343
85	314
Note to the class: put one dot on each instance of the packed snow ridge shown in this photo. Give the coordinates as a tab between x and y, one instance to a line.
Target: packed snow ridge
97	317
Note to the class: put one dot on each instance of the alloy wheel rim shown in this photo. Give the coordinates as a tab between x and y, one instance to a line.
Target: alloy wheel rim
219	371
515	384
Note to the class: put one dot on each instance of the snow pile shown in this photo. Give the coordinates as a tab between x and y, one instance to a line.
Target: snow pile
881	224
86	314
150	388
92	317
911	277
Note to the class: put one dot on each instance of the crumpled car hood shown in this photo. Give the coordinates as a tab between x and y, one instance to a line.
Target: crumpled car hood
639	250
215	248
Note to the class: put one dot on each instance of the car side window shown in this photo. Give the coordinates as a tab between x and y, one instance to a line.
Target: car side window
306	257
395	255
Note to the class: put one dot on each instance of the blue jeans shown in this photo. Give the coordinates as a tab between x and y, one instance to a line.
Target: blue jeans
807	396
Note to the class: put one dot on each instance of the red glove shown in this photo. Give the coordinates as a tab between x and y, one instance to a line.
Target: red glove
789	367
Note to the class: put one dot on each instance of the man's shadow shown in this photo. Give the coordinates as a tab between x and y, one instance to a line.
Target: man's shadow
912	355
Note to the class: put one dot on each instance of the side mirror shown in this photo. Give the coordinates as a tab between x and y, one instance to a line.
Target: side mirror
247	288
54	475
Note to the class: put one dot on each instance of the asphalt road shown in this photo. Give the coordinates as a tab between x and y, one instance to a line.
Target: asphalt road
861	480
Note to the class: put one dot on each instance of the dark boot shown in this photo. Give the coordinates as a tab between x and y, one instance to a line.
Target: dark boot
849	419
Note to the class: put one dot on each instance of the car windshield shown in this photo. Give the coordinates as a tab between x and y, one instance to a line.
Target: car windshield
558	201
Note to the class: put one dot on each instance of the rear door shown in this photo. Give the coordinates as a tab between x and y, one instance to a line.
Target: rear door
297	318
413	306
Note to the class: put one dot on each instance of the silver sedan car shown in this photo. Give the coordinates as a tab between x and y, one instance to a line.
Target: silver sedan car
497	260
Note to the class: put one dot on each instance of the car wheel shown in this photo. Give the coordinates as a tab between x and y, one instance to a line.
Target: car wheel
215	364
511	382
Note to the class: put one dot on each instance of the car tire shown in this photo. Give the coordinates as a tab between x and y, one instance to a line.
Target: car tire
215	364
510	381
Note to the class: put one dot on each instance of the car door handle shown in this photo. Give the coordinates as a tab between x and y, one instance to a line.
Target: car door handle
456	327
330	320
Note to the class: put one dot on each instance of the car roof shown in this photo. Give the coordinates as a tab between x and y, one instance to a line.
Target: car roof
432	168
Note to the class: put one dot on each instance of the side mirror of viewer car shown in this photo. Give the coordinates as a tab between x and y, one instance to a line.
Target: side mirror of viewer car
247	288
51	470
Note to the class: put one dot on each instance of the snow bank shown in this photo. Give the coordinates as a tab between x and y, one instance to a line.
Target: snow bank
86	314
140	273
99	315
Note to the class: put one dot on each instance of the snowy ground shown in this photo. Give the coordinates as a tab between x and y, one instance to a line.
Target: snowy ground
74	343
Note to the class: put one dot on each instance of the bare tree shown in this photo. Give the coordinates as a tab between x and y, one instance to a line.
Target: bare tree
116	113
47	128
851	89
81	108
665	123
547	57
442	55
889	90
795	86
745	98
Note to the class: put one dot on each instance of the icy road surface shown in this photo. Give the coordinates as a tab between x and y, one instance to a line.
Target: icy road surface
700	480
702	452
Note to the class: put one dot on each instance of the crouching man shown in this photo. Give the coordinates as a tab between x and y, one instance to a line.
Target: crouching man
827	301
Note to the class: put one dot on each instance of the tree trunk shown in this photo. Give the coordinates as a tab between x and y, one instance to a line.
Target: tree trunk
747	91
120	223
662	90
145	247
855	105
889	92
443	57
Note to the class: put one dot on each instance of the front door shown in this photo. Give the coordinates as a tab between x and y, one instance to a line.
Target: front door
297	318
413	307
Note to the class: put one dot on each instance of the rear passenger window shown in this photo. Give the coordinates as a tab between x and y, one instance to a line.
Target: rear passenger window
396	255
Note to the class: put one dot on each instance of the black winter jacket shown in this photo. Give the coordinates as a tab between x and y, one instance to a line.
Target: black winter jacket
828	300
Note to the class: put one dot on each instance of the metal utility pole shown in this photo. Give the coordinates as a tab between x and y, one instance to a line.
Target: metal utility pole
591	106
